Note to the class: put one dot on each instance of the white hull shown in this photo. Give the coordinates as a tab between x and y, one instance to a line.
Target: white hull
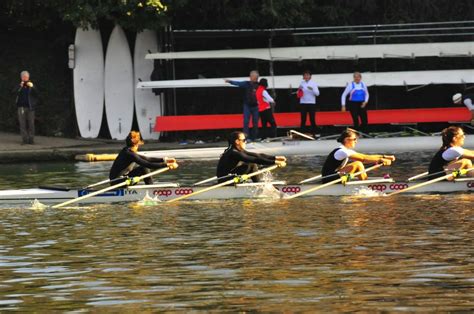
89	82
344	52
147	104
400	78
46	196
317	148
119	85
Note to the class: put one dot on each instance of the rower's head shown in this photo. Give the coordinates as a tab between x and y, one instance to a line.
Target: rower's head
452	136
348	138
357	77
457	98
263	82
134	139
307	75
253	76
237	140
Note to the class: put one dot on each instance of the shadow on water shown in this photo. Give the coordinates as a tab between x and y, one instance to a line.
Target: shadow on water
406	253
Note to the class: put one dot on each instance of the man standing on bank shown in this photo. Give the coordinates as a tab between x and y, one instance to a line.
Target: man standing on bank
357	104
307	92
26	101
250	102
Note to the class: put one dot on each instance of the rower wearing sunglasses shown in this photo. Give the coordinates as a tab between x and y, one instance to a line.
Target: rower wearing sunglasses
345	159
237	161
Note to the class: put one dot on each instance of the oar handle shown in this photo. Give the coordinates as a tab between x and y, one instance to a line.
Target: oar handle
233	180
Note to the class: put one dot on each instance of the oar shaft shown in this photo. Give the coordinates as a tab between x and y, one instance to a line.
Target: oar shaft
75	200
311	179
205	181
322	186
256	173
421	175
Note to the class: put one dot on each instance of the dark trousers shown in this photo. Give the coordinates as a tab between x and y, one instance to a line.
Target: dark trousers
26	119
358	112
245	168
267	118
251	112
137	172
308	110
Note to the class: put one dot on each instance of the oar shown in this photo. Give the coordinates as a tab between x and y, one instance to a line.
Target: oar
311	179
453	174
322	186
233	180
103	182
213	179
126	182
421	175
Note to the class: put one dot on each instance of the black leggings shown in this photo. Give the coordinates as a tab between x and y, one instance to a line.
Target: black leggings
244	169
356	110
267	118
305	110
139	171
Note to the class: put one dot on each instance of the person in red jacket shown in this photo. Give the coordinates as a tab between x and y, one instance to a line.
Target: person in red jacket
265	110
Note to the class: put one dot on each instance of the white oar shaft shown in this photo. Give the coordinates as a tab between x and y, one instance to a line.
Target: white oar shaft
97	184
322	186
302	135
311	179
205	181
75	200
253	174
418	176
420	185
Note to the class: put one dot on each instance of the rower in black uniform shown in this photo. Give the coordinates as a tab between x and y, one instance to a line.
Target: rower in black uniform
237	161
130	164
451	156
345	159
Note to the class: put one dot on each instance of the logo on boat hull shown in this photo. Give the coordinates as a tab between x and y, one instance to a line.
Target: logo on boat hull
470	184
119	192
384	187
168	192
290	189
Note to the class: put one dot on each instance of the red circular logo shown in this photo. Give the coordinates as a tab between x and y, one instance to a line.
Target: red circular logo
165	193
183	191
377	187
291	189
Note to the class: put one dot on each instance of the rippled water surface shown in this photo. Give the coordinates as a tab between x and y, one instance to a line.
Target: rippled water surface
406	253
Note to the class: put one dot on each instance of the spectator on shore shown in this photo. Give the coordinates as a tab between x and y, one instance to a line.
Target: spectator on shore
307	92
466	100
26	101
250	102
265	110
357	104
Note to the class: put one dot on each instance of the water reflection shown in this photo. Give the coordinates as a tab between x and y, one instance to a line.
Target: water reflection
323	253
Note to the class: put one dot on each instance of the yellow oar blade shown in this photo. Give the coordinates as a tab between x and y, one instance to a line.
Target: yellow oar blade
454	174
253	174
322	186
75	200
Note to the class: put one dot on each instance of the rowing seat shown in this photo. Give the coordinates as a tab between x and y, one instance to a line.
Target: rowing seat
324	118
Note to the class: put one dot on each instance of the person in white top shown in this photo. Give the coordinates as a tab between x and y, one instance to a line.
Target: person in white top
467	101
358	95
451	156
344	159
307	92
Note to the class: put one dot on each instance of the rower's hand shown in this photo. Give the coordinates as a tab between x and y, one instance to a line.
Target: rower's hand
170	160
280	163
172	165
391	157
385	161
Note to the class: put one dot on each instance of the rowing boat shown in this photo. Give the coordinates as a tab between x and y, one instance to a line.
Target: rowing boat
168	191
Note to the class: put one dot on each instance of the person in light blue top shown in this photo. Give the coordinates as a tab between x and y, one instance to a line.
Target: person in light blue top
250	103
358	95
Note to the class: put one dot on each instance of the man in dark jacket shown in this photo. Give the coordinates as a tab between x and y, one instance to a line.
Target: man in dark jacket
250	102
26	101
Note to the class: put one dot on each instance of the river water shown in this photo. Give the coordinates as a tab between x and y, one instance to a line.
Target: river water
327	254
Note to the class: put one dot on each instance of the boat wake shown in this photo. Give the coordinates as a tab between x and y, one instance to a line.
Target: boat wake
366	192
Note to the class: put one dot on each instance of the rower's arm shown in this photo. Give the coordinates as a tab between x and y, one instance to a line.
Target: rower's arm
255	158
385	159
140	160
468	154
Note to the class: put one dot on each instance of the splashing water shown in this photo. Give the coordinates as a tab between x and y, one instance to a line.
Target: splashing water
366	192
149	201
37	205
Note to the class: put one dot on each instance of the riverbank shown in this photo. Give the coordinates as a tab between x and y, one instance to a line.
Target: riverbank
59	148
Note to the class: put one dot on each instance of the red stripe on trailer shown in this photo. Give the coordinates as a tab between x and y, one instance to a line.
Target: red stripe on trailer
292	119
